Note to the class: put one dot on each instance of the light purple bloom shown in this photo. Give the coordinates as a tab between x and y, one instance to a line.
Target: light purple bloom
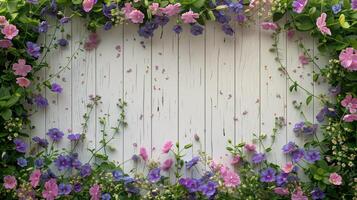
32	1
154	175
191	184
20	145
297	155
43	27
334	91
336	8
354	4
209	189
196	29
41	142
107	10
77	187
235	7
289	147
227	29
41	101
22	162
267	175
33	49
282	179
39	163
325	111
74	136
161	20
108	25
117	175
55	134
63	162
258	158
56	88
177	29
192	162
317	194
305	128
64	189
106	196
65	20
299	5
312	156
62	42
86	170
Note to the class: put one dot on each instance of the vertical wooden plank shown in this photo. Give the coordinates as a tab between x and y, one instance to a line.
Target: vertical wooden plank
109	85
303	75
273	93
164	88
191	91
136	53
247	83
220	90
83	85
59	111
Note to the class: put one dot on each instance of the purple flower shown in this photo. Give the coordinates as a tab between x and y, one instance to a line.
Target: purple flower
354	4
334	91
108	25
65	20
298	127
221	17
336	8
33	49
55	134
227	29
117	175
107	10
289	147
56	88
74	136
161	20
135	158
192	162
241	18
62	42
48	175
312	156
306	128
299	5
63	162
258	158
196	29
209	189
267	175
297	155
317	194
177	29
41	142
154	175
41	101
77	187
106	196
148	29
39	163
282	179
64	189
22	162
325	111
236	7
32	1
192	185
43	27
86	170
20	145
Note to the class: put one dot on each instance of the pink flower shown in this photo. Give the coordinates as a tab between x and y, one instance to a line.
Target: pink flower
10	31
20	68
189	17
88	5
335	179
167	164
167	147
92	42
281	191
94	192
35	178
250	147
298	195
136	16
10	182
3	21
143	153
321	24
23	82
171	9
350	103
235	160
5	44
288	167
127	9
154	8
51	190
350	118
348	59
215	166
269	26
303	59
290	34
231	179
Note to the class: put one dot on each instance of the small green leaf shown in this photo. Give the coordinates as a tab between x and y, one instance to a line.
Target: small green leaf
6	114
309	99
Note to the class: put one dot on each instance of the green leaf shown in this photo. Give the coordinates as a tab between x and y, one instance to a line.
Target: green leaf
187	146
198	3
304	23
6	114
309	99
76	2
277	16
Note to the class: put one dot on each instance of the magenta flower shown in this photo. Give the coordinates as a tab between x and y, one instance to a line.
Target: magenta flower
354	4
250	147
88	5
127	9
3	21
281	191
288	167
92	42
23	82
20	68
167	147
94	192
304	60
348	59
231	179
189	17
143	154
171	9
350	103
51	190
321	24
35	178
269	26
350	118
290	33
10	31
5	44
154	9
299	5
136	16
167	164
298	195
10	182
235	159
335	179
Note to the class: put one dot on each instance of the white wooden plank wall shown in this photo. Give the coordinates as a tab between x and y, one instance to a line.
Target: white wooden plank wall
192	89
